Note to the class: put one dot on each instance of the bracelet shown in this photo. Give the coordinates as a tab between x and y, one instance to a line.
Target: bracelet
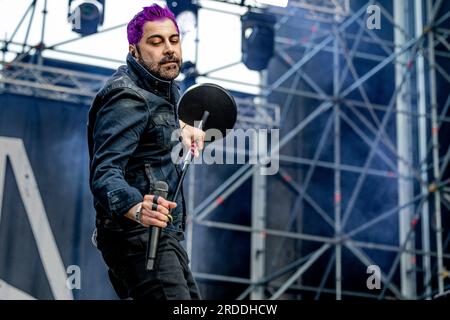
137	215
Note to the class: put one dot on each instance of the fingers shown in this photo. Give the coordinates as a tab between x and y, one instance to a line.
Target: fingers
156	214
153	218
148	199
156	207
199	138
198	142
172	205
194	150
191	135
148	221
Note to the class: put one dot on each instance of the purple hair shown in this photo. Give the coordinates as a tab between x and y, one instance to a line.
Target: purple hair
154	12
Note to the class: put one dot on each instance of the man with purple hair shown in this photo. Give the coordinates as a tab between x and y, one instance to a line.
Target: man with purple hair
130	128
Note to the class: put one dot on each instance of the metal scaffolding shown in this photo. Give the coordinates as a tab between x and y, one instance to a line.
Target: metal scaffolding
413	55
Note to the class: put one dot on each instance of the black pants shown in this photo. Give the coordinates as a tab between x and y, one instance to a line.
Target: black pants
124	253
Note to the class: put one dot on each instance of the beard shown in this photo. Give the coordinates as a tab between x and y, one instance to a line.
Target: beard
167	69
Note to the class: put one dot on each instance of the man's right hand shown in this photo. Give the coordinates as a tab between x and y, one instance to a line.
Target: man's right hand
149	217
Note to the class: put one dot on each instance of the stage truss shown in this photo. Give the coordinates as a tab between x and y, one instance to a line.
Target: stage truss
413	53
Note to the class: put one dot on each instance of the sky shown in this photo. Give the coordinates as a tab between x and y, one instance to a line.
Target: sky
219	37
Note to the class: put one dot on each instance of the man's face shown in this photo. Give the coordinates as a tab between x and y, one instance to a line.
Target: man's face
160	49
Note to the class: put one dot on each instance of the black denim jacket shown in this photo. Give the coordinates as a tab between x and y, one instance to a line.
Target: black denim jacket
130	126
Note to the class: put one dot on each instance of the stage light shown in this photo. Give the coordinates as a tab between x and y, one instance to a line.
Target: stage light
257	39
186	13
179	6
277	3
86	15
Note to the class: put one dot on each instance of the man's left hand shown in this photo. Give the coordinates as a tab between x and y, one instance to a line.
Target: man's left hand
192	137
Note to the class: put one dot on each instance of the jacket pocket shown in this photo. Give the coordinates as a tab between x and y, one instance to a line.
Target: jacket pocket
165	126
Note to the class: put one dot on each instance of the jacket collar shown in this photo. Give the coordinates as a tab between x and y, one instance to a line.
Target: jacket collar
148	81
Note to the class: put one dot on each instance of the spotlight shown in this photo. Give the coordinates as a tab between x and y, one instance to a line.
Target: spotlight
186	13
179	6
257	39
86	15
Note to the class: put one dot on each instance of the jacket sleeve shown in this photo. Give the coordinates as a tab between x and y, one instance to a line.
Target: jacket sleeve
116	132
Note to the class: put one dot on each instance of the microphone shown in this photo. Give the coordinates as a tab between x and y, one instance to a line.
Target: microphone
161	189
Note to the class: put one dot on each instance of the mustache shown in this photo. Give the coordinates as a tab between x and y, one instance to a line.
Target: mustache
169	59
